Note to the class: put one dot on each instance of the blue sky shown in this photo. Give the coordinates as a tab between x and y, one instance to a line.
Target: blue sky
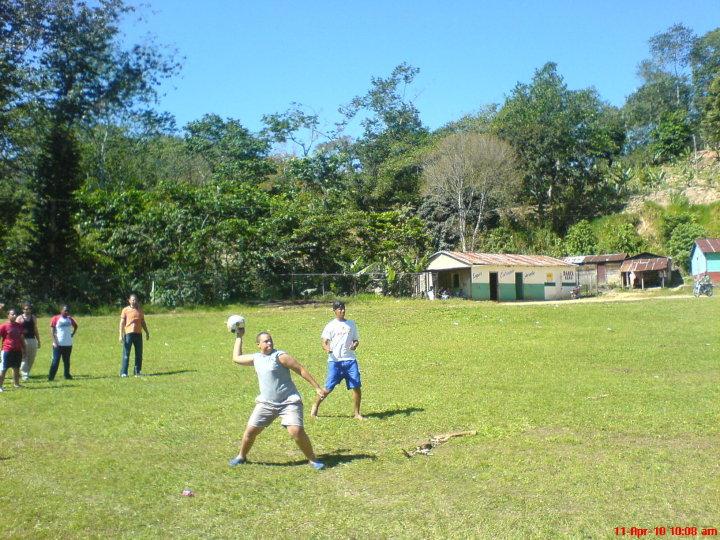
244	59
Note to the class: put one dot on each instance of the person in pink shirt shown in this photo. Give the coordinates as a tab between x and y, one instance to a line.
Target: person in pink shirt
13	346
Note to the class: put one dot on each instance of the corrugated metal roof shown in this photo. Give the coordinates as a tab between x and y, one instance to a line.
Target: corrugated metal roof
708	245
645	265
612	257
503	259
575	259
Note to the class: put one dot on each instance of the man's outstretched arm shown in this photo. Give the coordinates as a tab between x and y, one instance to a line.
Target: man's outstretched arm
289	362
238	356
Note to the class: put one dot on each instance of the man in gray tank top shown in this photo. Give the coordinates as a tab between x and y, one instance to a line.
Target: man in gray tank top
278	395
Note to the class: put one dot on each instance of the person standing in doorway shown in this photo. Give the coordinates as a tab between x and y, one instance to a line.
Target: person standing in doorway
340	338
63	328
28	320
132	324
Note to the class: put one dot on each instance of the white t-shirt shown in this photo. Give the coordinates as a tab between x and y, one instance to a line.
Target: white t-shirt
341	335
63	330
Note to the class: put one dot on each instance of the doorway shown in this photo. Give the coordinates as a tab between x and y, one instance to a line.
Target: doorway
494	286
519	286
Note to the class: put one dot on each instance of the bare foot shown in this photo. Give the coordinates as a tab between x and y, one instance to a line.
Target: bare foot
359	416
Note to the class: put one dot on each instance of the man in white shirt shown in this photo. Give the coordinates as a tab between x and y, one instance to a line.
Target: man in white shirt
340	338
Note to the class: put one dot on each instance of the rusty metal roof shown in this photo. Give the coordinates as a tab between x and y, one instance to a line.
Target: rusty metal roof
645	265
612	257
708	245
502	259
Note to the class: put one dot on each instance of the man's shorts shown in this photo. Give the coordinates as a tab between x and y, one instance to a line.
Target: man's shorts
11	359
291	414
343	369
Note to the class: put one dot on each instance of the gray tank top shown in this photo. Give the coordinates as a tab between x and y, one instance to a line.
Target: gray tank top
276	385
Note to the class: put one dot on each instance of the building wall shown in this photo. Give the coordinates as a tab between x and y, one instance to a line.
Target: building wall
698	263
612	273
539	282
713	262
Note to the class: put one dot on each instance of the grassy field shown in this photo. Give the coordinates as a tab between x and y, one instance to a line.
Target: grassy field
588	416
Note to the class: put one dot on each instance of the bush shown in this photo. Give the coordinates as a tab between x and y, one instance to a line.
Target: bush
681	241
581	239
622	238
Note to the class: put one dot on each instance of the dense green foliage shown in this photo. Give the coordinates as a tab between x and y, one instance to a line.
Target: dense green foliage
102	194
573	439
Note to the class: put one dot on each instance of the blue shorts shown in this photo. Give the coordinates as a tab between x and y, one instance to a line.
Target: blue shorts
343	369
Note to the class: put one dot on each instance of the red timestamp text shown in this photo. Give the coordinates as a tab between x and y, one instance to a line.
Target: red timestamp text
672	530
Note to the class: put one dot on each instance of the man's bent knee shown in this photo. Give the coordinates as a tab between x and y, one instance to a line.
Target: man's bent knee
295	431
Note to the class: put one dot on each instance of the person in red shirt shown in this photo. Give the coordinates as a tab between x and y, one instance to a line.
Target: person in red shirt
13	346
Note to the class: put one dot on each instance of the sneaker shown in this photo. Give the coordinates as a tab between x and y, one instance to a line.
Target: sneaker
1	389
17	385
24	378
317	465
123	375
234	462
69	378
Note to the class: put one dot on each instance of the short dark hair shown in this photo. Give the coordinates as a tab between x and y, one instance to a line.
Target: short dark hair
337	304
263	333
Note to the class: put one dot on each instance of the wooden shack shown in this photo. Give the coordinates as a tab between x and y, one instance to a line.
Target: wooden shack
646	270
705	258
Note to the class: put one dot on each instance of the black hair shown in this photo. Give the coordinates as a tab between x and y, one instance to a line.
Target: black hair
338	304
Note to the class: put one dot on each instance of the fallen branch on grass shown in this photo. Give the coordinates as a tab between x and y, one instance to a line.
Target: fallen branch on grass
426	447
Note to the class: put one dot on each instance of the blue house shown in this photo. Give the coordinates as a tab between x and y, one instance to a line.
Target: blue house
705	258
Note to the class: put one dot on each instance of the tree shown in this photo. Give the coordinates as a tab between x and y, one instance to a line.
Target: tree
671	137
581	239
290	125
230	150
705	63
711	116
388	156
671	51
562	138
68	70
475	171
619	238
681	241
665	87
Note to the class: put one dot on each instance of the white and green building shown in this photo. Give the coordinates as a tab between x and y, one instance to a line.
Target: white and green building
503	277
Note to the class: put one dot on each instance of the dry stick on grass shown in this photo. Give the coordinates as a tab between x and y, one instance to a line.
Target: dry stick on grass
434	441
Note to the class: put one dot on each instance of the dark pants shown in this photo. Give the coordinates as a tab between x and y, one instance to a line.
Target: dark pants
129	341
57	352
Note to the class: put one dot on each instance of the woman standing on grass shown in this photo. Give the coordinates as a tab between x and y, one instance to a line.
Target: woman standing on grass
13	346
63	328
32	339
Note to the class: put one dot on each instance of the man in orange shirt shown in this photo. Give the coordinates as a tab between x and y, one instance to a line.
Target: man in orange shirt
132	323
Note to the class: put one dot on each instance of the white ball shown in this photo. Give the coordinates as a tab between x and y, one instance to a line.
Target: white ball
235	321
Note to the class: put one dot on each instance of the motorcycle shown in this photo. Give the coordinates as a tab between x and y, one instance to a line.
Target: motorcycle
574	293
703	286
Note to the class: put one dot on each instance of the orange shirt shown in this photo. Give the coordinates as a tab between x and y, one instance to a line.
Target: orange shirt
133	318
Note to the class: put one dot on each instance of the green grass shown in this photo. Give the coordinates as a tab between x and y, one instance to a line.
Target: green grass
589	417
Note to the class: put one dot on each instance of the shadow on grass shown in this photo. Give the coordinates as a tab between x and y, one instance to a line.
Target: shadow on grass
158	374
49	385
394	412
175	372
331	459
380	414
